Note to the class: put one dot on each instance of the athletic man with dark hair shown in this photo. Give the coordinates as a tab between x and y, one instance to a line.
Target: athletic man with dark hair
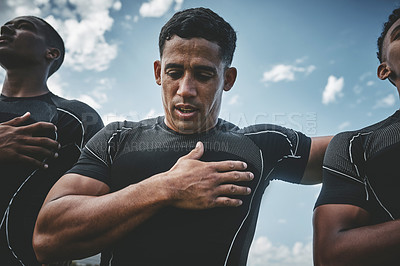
41	134
356	220
184	189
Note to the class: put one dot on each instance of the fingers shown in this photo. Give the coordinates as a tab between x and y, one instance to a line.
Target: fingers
235	176
227	202
40	129
17	120
43	142
38	153
230	189
196	153
32	161
225	166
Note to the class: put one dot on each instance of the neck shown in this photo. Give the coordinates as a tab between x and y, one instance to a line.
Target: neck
22	83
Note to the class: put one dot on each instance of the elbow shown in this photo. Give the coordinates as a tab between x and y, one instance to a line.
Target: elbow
42	247
324	257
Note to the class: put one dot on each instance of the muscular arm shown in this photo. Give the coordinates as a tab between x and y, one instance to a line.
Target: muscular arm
313	171
80	217
343	236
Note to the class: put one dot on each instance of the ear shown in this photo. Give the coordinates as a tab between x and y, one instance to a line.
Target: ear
230	78
383	71
52	53
157	71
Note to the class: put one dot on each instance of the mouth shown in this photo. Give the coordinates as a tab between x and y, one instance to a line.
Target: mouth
186	109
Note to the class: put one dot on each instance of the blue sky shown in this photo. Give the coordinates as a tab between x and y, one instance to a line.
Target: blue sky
308	65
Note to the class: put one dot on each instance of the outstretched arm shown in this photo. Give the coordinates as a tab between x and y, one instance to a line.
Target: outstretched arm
313	172
80	217
343	236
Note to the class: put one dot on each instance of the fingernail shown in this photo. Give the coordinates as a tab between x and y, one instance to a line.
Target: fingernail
248	190
251	176
240	203
56	155
59	146
245	165
198	144
46	166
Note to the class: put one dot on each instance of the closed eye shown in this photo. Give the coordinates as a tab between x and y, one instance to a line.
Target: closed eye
174	74
203	76
25	26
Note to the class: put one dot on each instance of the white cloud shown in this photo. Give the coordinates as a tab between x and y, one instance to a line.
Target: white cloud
2	75
279	73
332	89
153	113
370	83
344	125
301	60
23	7
89	100
282	72
365	75
157	8
94	98
82	24
56	85
117	6
233	100
263	252
386	102
178	5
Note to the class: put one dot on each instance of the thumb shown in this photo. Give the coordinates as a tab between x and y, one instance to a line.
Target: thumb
197	152
17	120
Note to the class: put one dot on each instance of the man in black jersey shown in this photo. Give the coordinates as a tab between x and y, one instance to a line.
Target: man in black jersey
184	189
41	134
356	219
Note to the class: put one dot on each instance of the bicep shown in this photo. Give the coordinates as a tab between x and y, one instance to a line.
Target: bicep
76	184
313	171
336	218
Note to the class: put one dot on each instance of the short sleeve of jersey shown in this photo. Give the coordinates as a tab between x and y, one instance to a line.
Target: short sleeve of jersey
94	161
343	166
285	151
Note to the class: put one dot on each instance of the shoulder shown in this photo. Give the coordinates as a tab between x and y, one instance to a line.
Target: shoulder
273	133
347	144
122	128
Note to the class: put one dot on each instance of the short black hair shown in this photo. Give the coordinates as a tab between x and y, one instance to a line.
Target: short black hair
392	19
54	40
202	23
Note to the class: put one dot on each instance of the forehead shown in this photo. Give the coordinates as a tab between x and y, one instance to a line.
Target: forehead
193	49
394	27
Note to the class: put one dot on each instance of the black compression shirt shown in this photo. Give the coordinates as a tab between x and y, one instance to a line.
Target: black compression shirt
126	153
23	188
360	168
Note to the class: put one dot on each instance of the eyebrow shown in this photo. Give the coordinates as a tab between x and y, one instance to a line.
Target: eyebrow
200	67
394	32
20	21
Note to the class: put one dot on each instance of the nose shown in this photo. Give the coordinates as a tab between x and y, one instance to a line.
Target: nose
187	86
6	30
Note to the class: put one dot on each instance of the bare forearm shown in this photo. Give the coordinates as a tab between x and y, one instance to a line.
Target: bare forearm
366	245
78	226
79	218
